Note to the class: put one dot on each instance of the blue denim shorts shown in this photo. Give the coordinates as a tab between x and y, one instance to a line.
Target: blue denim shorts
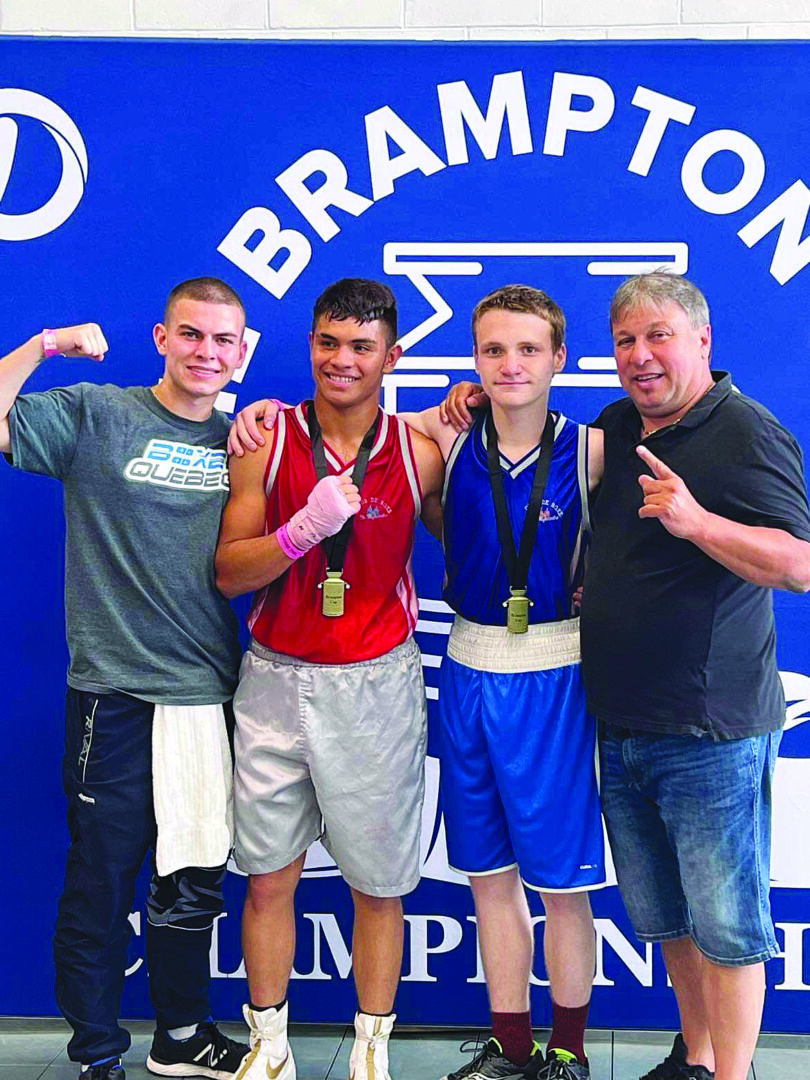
689	823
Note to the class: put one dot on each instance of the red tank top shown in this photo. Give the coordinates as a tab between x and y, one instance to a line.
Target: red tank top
381	605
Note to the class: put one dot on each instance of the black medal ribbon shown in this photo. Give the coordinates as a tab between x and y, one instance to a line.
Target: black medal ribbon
335	547
517	562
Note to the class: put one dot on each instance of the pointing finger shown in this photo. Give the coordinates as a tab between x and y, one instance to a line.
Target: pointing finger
659	469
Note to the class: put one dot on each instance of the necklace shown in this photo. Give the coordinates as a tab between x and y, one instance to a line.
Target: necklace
646	432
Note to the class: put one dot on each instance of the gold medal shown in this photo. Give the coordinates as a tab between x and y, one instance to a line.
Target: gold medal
517	563
517	611
334	548
334	591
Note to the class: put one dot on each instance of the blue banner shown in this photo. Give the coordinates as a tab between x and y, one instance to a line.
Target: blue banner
446	170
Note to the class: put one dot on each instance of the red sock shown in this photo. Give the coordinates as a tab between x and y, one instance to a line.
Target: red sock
568	1032
514	1032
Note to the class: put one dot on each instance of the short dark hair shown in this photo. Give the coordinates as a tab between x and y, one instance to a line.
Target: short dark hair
525	300
209	290
359	299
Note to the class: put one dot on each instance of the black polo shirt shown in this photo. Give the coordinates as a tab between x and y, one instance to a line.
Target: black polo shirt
672	642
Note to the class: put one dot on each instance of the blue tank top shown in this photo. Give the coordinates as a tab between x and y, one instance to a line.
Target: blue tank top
476	582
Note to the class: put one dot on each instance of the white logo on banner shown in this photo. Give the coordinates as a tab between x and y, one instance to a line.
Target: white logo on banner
422	262
790	861
69	189
317	182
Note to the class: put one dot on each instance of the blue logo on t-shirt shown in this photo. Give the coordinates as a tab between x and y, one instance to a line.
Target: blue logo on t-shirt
177	465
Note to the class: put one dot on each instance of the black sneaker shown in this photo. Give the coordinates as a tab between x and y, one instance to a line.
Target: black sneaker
490	1064
206	1053
675	1067
110	1070
563	1065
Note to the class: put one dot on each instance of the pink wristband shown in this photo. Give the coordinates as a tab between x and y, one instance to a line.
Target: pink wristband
286	544
49	346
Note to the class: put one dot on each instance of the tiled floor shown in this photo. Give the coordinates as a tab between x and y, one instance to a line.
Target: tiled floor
35	1050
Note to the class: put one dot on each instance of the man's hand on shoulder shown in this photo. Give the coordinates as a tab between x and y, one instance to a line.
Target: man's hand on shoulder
461	398
245	433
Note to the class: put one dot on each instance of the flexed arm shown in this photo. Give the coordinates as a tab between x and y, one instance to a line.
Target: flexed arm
87	339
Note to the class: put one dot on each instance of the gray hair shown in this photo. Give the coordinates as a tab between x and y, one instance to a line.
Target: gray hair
658	289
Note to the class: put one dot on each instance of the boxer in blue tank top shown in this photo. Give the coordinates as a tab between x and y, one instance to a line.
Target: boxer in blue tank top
518	777
476	579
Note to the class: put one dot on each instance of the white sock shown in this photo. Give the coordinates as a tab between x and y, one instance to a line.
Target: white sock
182	1032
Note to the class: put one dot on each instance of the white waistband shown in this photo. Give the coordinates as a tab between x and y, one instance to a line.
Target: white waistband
493	648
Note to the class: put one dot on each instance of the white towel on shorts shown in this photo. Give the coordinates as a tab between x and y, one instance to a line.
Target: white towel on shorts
192	784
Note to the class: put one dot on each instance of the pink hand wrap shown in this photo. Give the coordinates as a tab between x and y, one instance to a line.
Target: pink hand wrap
326	510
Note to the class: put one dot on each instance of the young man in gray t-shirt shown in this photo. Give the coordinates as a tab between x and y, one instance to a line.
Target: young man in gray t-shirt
153	653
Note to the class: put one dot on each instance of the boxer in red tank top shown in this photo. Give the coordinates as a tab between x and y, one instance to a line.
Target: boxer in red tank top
381	605
330	708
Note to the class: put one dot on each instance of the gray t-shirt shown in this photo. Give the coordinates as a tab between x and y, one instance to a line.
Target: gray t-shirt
144	491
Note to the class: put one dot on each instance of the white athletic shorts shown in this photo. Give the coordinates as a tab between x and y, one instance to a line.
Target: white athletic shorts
334	752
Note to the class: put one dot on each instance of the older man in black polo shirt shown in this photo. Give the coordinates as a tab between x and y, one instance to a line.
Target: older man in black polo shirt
702	511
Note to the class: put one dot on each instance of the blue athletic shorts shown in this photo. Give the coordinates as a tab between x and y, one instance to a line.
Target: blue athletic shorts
518	758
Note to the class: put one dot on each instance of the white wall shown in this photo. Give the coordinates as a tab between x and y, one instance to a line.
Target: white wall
475	20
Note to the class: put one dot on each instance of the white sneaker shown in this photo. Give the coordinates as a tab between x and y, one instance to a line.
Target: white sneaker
270	1056
369	1060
